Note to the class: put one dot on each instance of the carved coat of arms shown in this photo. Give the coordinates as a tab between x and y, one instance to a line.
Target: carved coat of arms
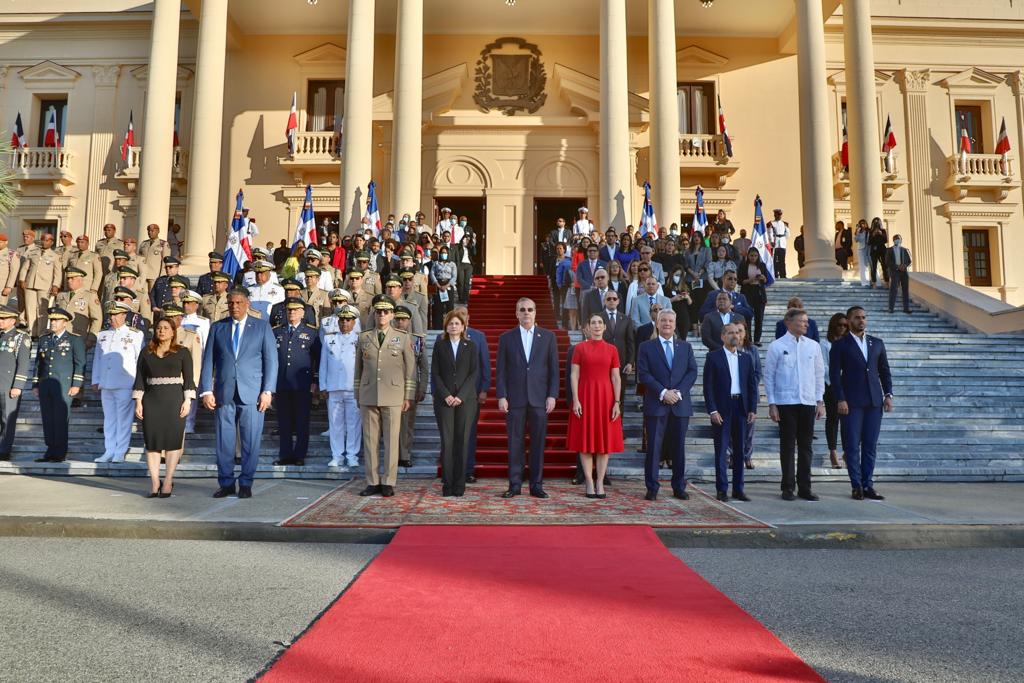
510	77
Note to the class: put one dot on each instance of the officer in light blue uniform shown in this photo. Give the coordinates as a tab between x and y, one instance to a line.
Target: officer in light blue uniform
60	374
15	362
298	356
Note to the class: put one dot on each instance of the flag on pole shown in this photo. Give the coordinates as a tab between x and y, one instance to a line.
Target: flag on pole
305	231
648	221
844	151
291	131
725	132
965	144
234	254
1002	147
372	210
129	137
760	240
18	136
51	138
888	144
700	216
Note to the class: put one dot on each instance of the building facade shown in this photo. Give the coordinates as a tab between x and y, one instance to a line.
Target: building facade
513	115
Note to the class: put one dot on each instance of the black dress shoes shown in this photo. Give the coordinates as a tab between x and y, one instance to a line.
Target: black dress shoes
807	495
577	477
722	496
470	478
788	495
681	495
370	491
244	492
387	491
871	494
224	492
5	456
43	459
405	463
857	494
281	463
511	493
539	493
300	463
651	495
739	495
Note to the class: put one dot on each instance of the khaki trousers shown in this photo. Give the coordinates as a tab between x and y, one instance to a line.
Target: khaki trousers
37	301
408	429
373	417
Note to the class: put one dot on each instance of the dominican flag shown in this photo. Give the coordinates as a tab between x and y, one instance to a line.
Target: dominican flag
129	137
844	151
235	253
18	136
648	221
1002	147
725	132
700	216
372	210
306	229
889	137
292	130
52	136
760	240
965	139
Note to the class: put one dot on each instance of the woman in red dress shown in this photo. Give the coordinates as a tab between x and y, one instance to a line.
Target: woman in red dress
595	424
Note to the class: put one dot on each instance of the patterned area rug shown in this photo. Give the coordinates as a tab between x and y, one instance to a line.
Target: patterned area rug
419	501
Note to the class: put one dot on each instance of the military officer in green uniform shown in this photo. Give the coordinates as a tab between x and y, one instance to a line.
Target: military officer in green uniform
404	320
15	361
60	374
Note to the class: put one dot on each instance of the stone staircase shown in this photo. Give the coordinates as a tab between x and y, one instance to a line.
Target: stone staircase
959	404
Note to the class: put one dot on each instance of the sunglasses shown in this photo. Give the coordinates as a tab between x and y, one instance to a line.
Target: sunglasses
611	298
527	310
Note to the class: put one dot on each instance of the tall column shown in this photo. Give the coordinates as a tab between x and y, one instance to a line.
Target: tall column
661	43
158	127
616	185
914	84
407	127
815	155
861	117
104	80
357	137
207	127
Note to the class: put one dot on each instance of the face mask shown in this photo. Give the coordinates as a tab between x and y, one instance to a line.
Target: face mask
725	240
675	278
463	224
444	257
897	242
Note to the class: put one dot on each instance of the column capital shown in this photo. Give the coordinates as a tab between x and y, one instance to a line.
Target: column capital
915	80
105	76
1016	79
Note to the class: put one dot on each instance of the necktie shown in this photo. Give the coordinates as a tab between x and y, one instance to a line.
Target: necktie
236	334
652	300
669	353
380	339
611	320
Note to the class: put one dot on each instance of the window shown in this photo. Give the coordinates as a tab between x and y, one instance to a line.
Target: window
969	116
977	258
43	227
696	108
59	104
177	120
325	102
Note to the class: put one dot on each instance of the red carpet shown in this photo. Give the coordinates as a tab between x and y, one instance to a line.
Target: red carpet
531	604
493	311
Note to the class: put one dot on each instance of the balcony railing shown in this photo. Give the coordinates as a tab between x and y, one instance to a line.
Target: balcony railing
987	173
887	165
319	146
129	168
42	165
702	158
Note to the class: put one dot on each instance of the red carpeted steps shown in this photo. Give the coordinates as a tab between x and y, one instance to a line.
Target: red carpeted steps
492	310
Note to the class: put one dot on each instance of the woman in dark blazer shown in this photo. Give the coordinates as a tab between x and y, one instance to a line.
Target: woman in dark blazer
464	256
753	277
454	369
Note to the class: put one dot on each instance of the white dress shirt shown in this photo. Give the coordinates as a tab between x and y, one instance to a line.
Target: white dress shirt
862	343
794	372
455	347
527	336
733	359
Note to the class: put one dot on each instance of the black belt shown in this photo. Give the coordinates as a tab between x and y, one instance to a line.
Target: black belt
735	396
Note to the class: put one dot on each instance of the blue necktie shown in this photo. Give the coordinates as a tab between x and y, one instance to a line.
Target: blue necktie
235	337
668	352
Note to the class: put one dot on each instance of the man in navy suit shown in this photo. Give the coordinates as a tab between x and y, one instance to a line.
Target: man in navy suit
527	385
739	302
862	386
667	369
611	246
237	381
730	393
586	269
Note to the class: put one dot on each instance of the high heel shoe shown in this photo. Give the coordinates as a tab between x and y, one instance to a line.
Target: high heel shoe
155	494
168	494
835	460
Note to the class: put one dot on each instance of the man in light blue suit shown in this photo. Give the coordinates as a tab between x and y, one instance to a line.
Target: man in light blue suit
237	381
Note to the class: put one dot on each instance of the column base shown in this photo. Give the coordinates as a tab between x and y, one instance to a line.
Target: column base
820	270
195	265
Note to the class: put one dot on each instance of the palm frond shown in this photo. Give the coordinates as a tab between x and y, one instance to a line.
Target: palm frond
8	187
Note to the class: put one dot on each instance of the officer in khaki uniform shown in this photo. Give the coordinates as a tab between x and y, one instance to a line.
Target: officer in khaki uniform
152	253
186	337
371	280
10	262
130	279
329	276
88	262
419	280
40	278
393	288
106	245
215	304
123	295
15	365
83	305
411	296
67	249
119	260
361	299
385	381
403	321
318	298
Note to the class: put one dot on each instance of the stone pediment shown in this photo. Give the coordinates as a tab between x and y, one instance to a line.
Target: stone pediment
141	74
583	93
839	79
691	55
49	74
972	79
327	54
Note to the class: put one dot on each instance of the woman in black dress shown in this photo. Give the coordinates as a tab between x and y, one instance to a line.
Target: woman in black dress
164	391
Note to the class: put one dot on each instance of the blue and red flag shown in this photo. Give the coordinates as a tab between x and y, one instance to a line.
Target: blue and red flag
51	138
372	210
305	231
700	216
18	139
291	131
760	241
648	221
129	137
725	131
234	253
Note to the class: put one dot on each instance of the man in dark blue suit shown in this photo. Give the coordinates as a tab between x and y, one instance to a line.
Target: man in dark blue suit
862	386
812	327
667	369
586	269
527	384
237	381
739	302
730	393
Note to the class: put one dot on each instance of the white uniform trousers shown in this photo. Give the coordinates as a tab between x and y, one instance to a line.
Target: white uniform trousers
118	414
345	426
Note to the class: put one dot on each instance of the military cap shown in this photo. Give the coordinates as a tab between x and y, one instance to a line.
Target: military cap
72	271
123	291
291	284
583	209
402	312
312	270
178	281
215	256
191	295
171	261
382	302
172	310
262	266
115	307
355	272
444	209
340	295
348	312
313	253
8	312
362	256
220	277
120	253
409	253
259	251
393	281
56	313
3	237
127	272
407	274
292	304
